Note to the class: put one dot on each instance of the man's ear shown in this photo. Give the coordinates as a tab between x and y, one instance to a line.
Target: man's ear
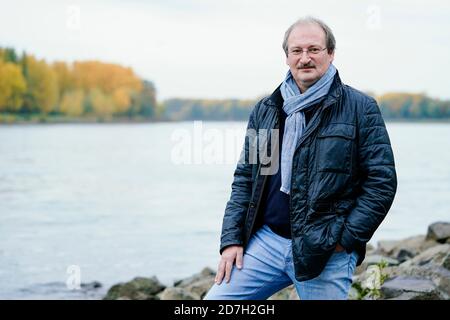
332	57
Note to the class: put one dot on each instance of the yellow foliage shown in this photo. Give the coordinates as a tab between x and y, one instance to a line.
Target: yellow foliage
31	85
42	84
121	100
72	103
105	76
398	99
103	105
12	86
64	77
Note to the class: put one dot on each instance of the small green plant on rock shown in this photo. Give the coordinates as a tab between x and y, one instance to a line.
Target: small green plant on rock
369	287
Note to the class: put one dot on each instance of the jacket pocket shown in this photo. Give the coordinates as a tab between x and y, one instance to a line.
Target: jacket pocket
323	233
334	147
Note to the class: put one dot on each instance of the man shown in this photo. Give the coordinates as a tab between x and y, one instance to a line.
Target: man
307	224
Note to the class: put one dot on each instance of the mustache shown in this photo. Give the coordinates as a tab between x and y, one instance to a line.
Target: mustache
306	66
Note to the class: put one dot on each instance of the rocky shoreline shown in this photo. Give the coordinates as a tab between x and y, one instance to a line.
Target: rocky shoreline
415	268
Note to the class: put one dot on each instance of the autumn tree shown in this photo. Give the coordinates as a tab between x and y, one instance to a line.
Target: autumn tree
72	102
64	77
101	103
107	82
42	85
12	86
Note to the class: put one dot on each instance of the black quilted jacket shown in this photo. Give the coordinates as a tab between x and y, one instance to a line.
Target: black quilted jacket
343	179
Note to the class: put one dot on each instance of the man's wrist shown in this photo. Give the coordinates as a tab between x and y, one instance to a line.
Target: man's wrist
339	248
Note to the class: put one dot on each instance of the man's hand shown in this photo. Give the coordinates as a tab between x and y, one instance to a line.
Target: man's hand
229	255
339	248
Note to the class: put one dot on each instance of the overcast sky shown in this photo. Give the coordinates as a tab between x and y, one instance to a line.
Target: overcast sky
232	48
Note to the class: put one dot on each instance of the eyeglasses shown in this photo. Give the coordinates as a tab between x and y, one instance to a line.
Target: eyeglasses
310	51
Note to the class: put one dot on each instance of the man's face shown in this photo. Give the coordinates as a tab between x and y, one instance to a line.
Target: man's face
307	68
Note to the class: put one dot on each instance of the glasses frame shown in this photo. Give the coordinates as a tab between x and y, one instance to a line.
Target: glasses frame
308	51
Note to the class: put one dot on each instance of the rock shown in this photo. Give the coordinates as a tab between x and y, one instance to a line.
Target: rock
375	259
387	246
370	249
438	255
406	296
439	231
404	249
438	275
293	295
360	269
175	293
91	285
205	273
137	289
201	287
405	254
410	288
198	284
417	268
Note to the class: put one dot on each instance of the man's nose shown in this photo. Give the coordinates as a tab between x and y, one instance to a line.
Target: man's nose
304	58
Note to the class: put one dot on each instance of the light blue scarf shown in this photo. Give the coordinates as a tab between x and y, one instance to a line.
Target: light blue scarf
294	104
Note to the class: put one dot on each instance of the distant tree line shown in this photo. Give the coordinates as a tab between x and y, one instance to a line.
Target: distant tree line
193	109
413	106
83	88
392	106
93	89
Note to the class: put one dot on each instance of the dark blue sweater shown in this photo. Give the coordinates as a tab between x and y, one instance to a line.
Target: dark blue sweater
275	203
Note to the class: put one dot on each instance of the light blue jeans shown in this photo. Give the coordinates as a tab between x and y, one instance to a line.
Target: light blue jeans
268	268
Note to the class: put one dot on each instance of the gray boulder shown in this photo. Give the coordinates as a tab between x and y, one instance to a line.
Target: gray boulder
405	254
198	284
438	275
432	265
201	287
205	273
386	247
91	285
370	249
137	289
405	249
438	256
175	293
410	288
439	231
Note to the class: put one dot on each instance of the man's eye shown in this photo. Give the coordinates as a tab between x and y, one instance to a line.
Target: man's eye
314	50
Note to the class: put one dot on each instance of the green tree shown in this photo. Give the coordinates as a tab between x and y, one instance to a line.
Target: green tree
8	55
144	101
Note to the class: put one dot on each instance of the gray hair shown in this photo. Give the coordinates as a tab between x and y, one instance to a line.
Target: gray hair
330	41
